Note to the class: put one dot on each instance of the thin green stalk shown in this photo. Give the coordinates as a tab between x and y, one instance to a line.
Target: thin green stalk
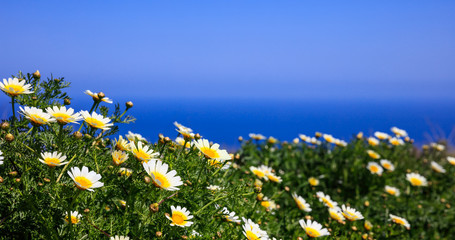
64	168
60	134
208	204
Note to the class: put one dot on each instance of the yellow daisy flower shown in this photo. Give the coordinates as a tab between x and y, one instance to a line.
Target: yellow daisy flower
373	154
416	179
399	132
180	217
96	120
230	216
335	214
373	141
84	179
119	157
313	229
14	87
400	221
387	164
326	200
36	116
375	168
301	203
181	141
381	135
328	138
392	190
451	160
142	153
396	141
252	231
161	178
274	178
64	116
268	204
256	136
212	152
53	159
75	217
367	225
313	181
122	144
351	214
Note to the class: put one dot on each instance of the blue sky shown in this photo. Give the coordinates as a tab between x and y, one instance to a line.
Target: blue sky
236	49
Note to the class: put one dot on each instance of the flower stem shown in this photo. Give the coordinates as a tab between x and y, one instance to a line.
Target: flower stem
208	204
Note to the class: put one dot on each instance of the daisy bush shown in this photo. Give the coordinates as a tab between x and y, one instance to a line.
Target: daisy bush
67	173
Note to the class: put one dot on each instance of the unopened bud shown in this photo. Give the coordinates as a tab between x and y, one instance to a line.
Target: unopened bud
5	125
286	189
77	135
46	179
34	98
159	234
366	203
318	134
13	173
240	138
101	95
260	196
67	101
167	139
18	180
36	74
1	180
147	179
197	136
257	189
57	80
87	136
86	210
129	104
160	136
154	207
9	137
184	237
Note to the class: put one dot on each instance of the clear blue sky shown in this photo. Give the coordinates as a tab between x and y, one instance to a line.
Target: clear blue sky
235	49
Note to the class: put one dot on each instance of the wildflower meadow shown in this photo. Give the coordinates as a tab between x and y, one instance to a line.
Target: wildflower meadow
67	174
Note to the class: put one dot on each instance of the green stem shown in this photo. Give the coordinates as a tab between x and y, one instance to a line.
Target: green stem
208	204
60	134
64	168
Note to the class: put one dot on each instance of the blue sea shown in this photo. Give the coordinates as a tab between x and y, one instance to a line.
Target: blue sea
223	121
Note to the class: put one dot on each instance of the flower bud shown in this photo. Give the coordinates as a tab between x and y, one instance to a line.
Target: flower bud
159	234
47	180
34	98
86	210
167	139
101	95
87	136
77	135
260	196
129	104
257	189
36	74
5	126
184	237
13	173
147	179
197	136
18	180
66	101
154	207
240	138
1	180
9	137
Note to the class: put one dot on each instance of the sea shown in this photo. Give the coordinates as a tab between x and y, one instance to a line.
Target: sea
224	120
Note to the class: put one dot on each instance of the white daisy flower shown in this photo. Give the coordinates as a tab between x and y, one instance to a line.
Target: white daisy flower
212	152
181	141
375	168
119	238
256	136
214	188
75	217
96	96
274	178
301	203
119	157
437	168
63	115
135	137
416	179
252	231
399	132
304	137
313	229
180	216
392	190
161	178
84	179
387	164
328	138
96	120
373	154
268	204
400	221
381	135
14	87
181	127
326	200
373	141
396	141
142	153
36	116
351	214
1	157
230	216
451	160
335	214
53	159
122	144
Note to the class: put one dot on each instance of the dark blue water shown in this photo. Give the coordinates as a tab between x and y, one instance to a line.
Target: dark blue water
223	121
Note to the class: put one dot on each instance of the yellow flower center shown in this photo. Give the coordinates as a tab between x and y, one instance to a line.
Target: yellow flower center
61	117
399	221
374	168
373	155
313	181
300	204
273	178
391	191
37	119
215	163
387	166
334	215
160	180
94	122
311	232
178	218
141	155
74	219
251	235
211	153
259	173
265	204
416	182
52	161
83	182
14	89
